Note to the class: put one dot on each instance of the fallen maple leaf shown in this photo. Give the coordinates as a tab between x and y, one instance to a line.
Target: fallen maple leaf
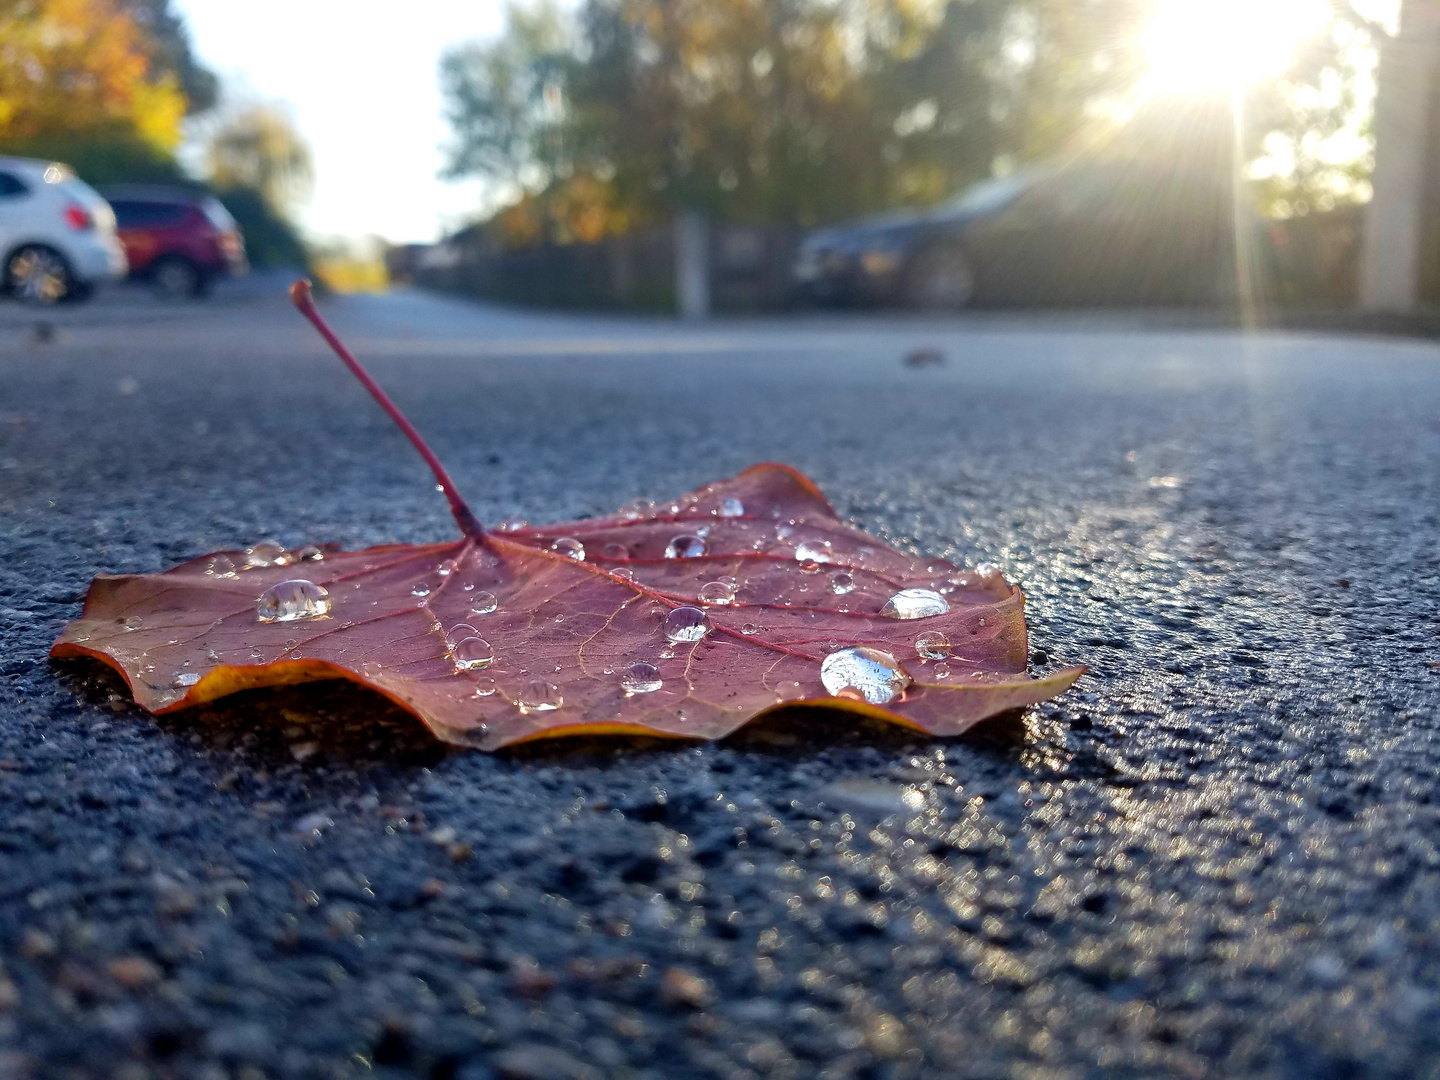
688	619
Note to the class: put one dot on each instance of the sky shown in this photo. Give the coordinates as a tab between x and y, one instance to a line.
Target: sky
359	78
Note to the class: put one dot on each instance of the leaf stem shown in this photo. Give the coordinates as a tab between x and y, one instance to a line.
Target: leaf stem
464	517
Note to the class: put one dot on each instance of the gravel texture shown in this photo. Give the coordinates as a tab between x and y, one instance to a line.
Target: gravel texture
1216	857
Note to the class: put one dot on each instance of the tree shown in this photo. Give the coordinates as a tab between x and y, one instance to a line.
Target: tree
258	148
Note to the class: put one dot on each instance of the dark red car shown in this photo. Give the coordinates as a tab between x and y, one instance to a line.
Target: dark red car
178	240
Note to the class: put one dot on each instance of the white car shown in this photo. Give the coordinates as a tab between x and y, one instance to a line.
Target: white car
57	236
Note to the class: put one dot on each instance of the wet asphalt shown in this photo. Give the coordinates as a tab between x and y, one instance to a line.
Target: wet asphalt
1218	856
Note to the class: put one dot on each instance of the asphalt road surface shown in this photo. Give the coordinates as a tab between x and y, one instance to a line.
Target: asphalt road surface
1218	856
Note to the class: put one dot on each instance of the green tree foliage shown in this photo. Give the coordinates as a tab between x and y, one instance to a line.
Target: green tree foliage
799	111
262	170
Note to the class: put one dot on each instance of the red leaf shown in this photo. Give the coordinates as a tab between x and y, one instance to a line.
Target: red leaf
686	620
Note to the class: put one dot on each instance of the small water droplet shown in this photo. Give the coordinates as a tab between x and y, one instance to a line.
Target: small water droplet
265	553
914	604
637	508
642	679
624	573
877	675
469	586
569	547
512	524
686	624
842	583
731	507
749	629
942	671
131	622
212	656
187	678
472	653
221	566
421	588
809	566
539	696
309	553
446	568
933	645
667	653
789	691
784	532
816	551
370	669
988	571
685	547
977	676
291	601
484	686
290	643
717	592
614	551
483	603
981	621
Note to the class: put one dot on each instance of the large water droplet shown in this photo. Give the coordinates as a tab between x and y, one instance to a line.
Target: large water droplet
265	553
842	583
686	624
717	592
933	645
812	551
569	547
291	601
877	675
472	653
539	696
685	547
483	603
512	524
914	604
731	507
642	679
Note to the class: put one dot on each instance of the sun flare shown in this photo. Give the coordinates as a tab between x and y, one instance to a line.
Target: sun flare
1201	46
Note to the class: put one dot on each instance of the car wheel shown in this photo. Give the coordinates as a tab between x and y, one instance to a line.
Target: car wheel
175	278
36	274
940	279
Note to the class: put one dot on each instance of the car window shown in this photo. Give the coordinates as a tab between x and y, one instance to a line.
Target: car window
142	214
12	186
217	214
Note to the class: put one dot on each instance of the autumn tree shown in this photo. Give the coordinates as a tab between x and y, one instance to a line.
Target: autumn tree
258	148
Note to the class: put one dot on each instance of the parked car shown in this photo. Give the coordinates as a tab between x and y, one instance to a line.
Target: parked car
180	241
57	236
1094	233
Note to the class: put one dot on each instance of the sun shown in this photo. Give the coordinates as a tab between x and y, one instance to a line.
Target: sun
1203	46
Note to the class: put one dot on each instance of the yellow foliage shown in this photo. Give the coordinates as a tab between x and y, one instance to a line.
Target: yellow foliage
70	66
350	274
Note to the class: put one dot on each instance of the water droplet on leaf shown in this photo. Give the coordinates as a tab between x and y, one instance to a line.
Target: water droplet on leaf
614	551
512	524
132	622
876	674
483	603
291	601
569	547
914	604
309	553
717	592
933	645
540	696
422	588
789	691
686	624
749	629
265	553
812	551
842	583
472	653
685	547
221	566
642	679
942	671
731	507
187	678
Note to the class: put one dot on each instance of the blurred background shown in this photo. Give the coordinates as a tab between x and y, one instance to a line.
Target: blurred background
739	155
